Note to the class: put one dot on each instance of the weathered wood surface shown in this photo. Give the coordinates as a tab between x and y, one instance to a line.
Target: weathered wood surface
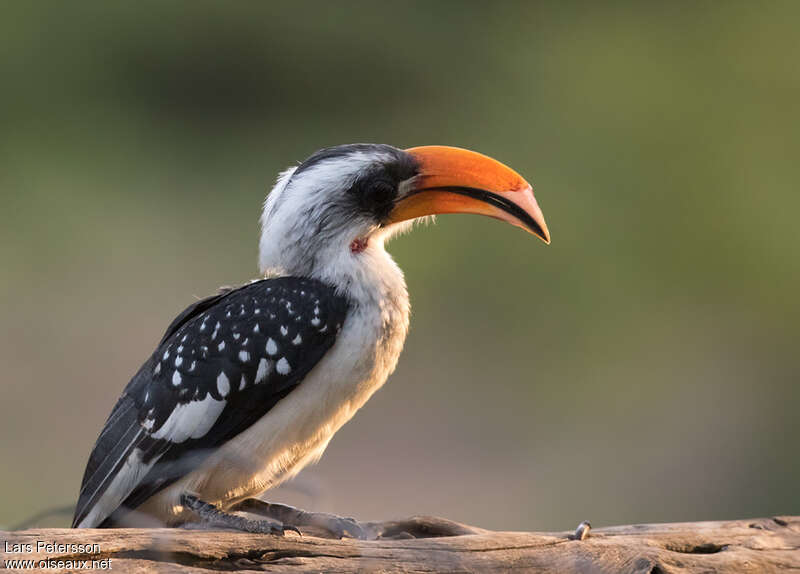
759	545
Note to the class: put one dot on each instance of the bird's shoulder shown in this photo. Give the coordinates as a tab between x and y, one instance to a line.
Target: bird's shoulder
266	332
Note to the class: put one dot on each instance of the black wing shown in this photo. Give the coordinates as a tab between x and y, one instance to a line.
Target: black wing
222	364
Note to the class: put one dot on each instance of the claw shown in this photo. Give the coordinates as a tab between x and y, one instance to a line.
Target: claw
291	518
212	516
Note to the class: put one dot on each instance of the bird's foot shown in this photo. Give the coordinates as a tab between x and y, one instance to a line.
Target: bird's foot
291	517
212	517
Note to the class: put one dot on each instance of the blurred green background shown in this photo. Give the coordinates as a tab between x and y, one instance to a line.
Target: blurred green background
642	368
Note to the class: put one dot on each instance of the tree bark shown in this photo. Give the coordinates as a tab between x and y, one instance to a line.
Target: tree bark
759	545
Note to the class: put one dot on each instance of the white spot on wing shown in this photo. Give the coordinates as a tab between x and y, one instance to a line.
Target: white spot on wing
190	420
242	383
221	345
315	321
297	340
272	347
283	366
244	356
223	385
264	368
284	330
157	369
178	361
176	378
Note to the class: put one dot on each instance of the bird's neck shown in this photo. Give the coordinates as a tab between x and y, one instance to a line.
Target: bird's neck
368	276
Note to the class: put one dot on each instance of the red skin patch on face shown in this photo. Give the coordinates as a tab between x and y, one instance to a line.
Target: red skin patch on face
358	245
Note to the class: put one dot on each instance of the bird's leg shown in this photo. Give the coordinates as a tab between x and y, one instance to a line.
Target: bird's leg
210	516
294	517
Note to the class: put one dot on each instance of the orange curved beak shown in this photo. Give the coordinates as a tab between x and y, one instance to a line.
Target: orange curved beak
455	180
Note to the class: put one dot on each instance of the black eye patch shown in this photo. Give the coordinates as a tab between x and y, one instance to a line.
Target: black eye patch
376	191
375	195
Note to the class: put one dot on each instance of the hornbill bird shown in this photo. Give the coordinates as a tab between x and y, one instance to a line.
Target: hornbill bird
248	386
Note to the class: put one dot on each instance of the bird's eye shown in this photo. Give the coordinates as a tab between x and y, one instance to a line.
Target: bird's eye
379	192
376	196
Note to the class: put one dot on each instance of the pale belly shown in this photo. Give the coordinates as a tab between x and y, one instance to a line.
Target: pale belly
295	432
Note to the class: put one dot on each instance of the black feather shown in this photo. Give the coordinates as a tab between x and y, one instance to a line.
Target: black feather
208	337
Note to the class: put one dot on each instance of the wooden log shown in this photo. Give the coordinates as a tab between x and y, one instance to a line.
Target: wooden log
759	545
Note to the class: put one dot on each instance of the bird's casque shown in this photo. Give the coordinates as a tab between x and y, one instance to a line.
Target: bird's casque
248	386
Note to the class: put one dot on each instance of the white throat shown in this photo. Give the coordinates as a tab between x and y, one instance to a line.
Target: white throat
290	245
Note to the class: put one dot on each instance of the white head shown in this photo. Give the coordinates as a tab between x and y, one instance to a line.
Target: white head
329	217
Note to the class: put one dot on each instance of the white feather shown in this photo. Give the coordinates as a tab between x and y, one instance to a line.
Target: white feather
129	475
191	420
